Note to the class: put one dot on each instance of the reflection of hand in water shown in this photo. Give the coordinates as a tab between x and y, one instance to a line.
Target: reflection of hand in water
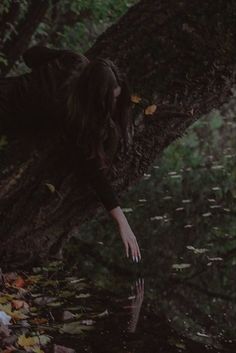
136	305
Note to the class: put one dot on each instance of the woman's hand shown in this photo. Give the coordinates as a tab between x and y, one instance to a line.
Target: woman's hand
126	234
129	241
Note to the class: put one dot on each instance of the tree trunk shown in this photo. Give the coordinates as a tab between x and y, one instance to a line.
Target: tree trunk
7	22
177	55
25	29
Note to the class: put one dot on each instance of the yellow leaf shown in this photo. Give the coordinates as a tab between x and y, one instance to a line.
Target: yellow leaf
15	315
5	298
18	315
135	98
6	308
150	109
37	350
27	341
51	187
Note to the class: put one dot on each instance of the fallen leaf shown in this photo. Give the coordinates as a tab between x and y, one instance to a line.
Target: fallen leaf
127	210
197	250
215	188
44	339
37	350
62	349
17	304
135	99
26	342
88	322
18	315
179	209
150	109
33	279
4	318
44	300
202	334
83	295
9	277
104	313
74	328
67	315
55	304
51	187
9	350
180	266
31	341
207	214
6	298
15	315
188	226
4	331
19	282
180	345
39	321
156	217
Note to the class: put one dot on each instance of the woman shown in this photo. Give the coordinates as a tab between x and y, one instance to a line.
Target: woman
88	102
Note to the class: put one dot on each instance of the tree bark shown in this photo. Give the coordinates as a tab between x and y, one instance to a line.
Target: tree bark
177	55
19	42
7	22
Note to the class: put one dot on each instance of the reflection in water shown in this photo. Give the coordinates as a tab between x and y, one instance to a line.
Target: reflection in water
183	214
136	305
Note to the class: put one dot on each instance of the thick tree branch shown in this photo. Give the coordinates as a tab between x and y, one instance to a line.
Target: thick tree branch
19	42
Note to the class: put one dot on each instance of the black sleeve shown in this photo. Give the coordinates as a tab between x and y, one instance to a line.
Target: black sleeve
89	169
38	55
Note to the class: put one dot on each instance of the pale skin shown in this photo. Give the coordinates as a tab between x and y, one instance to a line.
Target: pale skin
126	233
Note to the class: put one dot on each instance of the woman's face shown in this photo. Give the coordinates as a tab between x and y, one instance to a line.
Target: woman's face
116	91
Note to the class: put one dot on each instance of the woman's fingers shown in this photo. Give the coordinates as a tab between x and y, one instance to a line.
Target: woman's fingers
135	251
132	250
131	246
127	249
139	253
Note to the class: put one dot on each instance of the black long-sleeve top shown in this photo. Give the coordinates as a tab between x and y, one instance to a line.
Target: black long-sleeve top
39	95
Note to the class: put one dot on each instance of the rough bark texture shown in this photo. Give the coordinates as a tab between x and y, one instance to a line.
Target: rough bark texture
178	55
24	31
7	21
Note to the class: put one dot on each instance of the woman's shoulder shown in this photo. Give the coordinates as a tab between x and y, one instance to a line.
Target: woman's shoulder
70	58
39	55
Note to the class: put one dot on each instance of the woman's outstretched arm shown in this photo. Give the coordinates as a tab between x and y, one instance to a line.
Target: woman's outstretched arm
126	233
89	168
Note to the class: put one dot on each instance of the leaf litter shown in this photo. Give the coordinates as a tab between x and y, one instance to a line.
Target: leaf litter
35	309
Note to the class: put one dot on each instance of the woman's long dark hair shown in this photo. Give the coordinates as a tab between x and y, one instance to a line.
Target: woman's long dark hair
99	124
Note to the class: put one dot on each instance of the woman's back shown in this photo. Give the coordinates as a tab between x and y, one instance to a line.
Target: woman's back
38	98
